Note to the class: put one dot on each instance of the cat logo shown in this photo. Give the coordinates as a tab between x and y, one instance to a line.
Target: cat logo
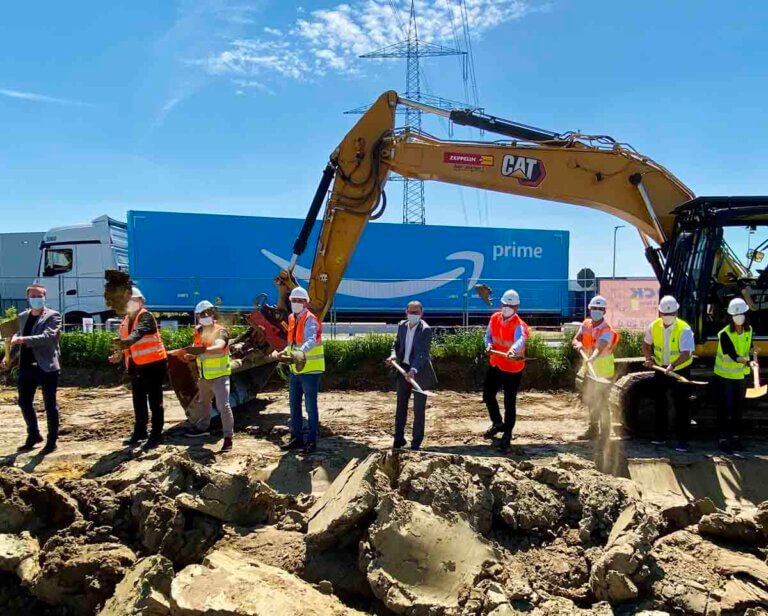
528	171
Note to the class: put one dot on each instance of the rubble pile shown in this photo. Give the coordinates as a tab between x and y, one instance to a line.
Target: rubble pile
395	533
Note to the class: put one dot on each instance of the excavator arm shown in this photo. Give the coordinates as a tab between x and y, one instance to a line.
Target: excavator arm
592	171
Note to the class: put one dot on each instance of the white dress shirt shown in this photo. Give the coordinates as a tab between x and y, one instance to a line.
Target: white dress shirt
410	333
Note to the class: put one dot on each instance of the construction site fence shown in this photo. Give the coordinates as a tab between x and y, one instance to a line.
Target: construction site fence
546	302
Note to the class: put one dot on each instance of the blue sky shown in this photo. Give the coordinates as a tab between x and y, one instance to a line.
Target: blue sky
232	106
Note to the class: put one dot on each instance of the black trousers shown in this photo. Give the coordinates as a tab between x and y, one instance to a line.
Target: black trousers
496	379
680	395
147	388
404	389
30	378
731	394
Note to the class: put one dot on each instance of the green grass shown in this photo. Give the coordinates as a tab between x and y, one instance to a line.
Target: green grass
455	349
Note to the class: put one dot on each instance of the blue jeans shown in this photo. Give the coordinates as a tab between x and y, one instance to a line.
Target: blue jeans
306	385
30	378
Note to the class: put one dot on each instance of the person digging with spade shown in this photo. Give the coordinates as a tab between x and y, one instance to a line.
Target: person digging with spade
506	333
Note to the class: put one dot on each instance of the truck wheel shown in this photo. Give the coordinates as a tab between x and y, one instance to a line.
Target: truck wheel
631	403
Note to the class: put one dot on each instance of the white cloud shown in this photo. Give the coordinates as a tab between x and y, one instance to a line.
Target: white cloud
331	39
42	98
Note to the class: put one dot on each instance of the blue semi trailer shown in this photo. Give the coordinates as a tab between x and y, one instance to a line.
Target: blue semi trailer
178	259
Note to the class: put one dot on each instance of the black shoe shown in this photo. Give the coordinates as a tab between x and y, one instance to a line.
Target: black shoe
309	448
30	443
415	447
152	442
505	444
681	447
294	443
49	448
737	444
399	444
493	431
135	439
226	445
725	446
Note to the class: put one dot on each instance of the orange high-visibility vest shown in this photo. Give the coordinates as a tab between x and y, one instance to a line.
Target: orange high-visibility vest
296	330
590	334
503	337
315	356
148	349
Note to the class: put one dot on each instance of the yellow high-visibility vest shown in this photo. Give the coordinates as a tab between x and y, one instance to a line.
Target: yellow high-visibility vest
724	366
657	331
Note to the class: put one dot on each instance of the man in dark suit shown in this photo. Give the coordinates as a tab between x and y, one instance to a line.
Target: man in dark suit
411	350
37	347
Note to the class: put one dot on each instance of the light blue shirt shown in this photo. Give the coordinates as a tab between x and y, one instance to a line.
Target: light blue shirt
310	332
519	339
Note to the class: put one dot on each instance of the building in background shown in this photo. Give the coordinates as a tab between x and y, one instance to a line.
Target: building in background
632	302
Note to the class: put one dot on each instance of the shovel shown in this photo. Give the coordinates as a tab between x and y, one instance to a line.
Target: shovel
413	382
758	390
679	377
591	369
503	354
286	357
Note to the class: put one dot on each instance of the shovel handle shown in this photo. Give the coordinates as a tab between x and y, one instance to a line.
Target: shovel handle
413	382
673	374
503	354
756	370
588	364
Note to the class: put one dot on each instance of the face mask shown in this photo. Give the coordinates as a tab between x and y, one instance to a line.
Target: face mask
597	314
296	307
668	319
206	321
413	319
133	306
37	303
507	311
739	319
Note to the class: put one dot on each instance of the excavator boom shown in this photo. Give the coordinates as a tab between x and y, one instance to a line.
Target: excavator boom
592	171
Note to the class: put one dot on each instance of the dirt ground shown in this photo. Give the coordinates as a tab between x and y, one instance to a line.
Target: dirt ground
560	525
94	421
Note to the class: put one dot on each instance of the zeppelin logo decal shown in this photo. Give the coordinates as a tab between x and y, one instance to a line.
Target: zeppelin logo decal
471	160
528	171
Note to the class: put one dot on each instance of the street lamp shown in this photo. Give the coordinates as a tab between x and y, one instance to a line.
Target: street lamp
615	229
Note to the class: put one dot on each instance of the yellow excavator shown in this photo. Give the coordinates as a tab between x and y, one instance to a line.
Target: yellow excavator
683	235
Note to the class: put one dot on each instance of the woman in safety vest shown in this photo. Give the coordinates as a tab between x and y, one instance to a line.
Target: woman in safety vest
732	365
305	341
669	343
146	361
507	334
598	340
213	370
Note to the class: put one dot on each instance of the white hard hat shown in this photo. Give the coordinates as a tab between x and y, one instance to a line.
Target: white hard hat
668	304
598	301
136	294
510	298
299	293
737	306
203	306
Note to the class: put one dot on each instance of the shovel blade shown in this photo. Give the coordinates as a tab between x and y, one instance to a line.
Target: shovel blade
757	392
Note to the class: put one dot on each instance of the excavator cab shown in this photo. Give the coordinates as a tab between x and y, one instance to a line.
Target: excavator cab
709	261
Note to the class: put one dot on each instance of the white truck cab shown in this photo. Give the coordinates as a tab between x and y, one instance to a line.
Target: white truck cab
72	264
